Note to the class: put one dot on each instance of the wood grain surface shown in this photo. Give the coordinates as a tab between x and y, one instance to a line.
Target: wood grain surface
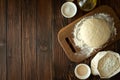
29	49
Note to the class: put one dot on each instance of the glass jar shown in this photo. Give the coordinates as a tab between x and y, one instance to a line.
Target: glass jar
87	5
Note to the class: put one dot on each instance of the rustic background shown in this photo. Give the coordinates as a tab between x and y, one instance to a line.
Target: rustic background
29	49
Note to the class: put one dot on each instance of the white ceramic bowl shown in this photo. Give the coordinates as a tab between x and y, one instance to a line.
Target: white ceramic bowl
82	71
68	9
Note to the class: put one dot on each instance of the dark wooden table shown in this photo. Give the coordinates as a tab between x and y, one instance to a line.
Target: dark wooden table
29	49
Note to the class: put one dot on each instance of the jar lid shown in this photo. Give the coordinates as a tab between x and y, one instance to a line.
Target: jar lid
68	9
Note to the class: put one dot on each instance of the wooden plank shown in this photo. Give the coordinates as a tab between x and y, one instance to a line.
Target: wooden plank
63	68
44	39
29	40
14	40
2	39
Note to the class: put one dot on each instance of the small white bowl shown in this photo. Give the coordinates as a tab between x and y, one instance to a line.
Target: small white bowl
68	9
82	71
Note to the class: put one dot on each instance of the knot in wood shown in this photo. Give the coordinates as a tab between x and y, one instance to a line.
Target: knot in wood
43	46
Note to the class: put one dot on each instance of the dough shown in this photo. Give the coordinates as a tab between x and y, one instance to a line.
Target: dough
94	32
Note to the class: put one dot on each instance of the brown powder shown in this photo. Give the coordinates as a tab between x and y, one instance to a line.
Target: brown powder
82	70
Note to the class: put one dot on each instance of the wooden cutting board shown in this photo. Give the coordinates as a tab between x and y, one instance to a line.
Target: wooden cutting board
65	36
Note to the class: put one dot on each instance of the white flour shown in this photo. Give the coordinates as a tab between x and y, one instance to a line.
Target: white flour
85	49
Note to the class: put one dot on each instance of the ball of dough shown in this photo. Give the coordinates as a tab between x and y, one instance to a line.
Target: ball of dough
94	32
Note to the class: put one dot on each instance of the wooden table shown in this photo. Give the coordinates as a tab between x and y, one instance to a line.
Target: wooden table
29	49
